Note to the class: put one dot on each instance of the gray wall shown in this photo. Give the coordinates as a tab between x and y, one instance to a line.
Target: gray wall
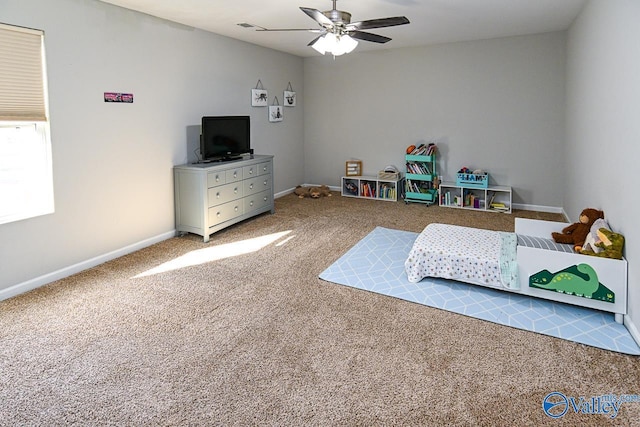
113	163
603	130
495	104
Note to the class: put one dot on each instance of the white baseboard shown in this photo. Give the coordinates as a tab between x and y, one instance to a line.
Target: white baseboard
29	285
283	193
525	207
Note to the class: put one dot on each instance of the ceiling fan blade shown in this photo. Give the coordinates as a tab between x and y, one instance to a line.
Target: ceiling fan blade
317	16
369	37
378	23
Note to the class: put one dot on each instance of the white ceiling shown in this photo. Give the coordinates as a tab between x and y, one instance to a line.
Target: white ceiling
432	21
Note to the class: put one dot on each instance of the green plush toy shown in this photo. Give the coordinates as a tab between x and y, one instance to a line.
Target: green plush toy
611	244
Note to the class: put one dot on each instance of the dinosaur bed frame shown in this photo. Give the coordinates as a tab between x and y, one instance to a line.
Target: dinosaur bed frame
569	277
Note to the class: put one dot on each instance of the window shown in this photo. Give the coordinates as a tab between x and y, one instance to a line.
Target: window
26	179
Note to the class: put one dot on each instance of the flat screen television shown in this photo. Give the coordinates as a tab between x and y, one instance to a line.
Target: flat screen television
224	137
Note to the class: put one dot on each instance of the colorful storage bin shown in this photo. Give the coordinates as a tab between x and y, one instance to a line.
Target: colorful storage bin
474	180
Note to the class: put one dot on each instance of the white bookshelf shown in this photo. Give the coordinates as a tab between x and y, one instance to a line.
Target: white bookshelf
452	195
370	187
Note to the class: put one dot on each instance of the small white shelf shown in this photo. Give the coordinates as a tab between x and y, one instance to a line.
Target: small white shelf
370	187
452	195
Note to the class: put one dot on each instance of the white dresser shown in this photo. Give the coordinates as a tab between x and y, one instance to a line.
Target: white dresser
212	196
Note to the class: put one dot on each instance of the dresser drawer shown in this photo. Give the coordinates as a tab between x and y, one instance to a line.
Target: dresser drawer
216	178
232	175
257	201
250	171
224	193
264	168
257	184
225	212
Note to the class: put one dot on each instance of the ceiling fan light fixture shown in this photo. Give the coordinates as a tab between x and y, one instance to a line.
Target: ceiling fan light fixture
324	43
348	43
336	45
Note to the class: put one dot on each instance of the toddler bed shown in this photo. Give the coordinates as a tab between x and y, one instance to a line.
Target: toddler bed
528	262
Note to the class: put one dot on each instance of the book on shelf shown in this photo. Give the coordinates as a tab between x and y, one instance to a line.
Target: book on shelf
493	196
498	206
429	149
418	168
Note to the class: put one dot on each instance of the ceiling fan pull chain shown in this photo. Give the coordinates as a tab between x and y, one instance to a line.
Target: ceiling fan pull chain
259	85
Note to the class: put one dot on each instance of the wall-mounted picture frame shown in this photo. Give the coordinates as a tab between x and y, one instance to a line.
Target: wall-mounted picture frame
353	168
259	96
275	113
289	96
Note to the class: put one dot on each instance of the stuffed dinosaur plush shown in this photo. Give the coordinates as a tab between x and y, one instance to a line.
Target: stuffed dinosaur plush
610	243
576	233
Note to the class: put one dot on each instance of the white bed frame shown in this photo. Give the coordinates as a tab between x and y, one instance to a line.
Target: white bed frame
612	273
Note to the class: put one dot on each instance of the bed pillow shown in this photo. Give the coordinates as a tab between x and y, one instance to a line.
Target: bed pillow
592	237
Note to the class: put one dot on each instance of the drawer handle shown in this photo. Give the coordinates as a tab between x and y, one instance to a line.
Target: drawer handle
250	186
235	209
217	178
250	171
264	169
251	203
265	198
235	190
235	174
265	182
218	214
217	195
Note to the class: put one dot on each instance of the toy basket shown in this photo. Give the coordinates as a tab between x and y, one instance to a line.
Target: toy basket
474	180
391	176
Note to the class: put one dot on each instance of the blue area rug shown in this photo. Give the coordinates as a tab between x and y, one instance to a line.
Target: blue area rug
376	264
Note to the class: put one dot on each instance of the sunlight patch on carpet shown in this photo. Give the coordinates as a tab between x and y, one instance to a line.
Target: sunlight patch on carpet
376	264
214	253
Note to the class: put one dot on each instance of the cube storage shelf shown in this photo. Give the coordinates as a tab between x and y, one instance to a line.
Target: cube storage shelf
421	170
370	187
492	199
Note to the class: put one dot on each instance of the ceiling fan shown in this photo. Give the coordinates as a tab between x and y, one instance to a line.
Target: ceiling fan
338	34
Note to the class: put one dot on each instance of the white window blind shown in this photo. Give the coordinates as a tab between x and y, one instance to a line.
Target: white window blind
21	75
26	174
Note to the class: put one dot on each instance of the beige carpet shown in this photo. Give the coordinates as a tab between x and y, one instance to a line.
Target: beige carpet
187	333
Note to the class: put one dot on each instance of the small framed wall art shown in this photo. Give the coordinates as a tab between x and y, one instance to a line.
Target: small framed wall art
275	111
259	96
289	96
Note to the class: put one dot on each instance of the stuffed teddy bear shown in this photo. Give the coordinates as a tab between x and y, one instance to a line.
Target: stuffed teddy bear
313	192
610	244
576	233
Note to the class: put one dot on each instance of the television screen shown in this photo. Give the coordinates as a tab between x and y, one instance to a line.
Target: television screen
225	137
